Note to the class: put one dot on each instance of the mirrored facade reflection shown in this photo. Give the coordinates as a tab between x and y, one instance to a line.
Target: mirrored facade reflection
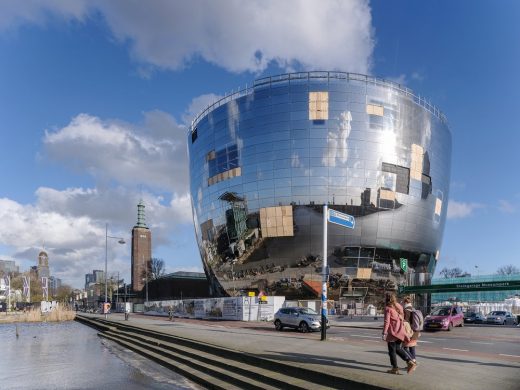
265	160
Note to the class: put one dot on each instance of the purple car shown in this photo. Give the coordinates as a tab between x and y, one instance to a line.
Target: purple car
444	318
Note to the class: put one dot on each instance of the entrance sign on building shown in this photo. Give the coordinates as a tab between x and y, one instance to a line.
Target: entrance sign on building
404	264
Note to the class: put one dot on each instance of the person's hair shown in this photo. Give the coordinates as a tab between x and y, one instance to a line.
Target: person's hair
407	299
391	299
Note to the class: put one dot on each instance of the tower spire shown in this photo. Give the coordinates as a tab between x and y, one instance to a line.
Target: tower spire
141	219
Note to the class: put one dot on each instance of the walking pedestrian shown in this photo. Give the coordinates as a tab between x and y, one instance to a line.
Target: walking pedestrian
170	313
394	335
410	345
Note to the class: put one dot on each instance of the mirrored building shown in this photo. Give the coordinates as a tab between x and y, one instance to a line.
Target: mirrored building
264	161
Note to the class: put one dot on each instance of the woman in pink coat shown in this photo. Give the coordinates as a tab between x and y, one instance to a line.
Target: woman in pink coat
394	335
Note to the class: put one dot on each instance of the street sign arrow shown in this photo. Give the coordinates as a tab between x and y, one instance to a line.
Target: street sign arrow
342	219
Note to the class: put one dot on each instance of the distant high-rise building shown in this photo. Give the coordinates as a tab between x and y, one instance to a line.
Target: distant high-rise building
43	265
54	285
141	249
89	278
99	276
8	266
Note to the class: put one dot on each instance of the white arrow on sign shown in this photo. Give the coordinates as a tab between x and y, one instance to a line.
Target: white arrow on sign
342	219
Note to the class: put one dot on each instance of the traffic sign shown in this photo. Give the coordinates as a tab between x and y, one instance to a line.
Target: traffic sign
404	264
342	219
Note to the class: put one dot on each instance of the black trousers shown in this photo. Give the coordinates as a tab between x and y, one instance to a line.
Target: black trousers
396	347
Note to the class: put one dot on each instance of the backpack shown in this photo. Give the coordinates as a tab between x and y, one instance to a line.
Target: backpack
416	320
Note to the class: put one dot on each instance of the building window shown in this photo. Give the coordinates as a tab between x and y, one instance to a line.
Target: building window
318	106
385	199
223	164
210	156
374	109
402	182
426	186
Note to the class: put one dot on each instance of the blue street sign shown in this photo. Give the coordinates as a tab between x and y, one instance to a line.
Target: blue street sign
342	219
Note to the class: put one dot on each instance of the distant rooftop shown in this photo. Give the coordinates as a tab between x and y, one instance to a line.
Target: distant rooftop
184	275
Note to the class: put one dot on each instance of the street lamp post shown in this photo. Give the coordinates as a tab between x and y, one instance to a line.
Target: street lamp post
121	241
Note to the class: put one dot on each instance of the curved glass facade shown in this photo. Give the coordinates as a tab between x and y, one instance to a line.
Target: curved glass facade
264	160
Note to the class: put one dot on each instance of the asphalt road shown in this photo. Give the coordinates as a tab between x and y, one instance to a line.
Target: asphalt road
501	343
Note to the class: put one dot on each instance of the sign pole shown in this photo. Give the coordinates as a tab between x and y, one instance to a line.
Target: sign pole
324	276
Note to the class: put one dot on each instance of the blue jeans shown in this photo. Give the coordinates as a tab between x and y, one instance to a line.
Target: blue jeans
396	347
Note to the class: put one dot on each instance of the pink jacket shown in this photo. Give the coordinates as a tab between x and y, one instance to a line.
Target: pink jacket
393	327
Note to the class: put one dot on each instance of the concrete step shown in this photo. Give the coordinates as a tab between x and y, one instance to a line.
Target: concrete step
303	375
268	379
284	374
204	379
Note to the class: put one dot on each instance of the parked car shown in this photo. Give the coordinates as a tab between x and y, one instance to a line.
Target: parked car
302	318
500	317
444	318
474	318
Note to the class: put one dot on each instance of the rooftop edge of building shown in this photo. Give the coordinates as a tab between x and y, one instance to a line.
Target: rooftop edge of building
324	75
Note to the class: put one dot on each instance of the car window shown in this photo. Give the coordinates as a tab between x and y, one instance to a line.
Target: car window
441	311
306	310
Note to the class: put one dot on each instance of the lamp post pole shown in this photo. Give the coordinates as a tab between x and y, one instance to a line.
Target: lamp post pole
106	261
121	241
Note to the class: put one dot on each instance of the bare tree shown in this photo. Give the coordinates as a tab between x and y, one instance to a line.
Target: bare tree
508	270
155	269
456	272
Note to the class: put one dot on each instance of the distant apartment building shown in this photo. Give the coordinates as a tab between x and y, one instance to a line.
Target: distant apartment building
8	266
54	285
99	276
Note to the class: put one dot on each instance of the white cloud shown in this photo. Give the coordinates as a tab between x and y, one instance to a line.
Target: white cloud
461	209
15	12
71	225
506	206
418	76
401	79
198	104
237	35
128	162
153	154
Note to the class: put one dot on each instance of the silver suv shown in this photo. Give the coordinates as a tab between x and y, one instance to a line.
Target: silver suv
301	318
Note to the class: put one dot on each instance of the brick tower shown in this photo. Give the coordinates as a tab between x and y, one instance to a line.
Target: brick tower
141	249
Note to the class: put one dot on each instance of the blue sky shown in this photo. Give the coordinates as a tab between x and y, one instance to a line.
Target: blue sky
96	97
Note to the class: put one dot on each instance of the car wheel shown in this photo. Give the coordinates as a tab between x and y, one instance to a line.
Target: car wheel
278	325
450	327
304	328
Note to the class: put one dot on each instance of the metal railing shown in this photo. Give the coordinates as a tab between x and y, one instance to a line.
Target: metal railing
322	75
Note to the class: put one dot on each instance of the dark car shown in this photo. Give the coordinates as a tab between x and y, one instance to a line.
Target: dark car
474	318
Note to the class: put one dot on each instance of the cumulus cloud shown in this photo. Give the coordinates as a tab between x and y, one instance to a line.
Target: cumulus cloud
237	35
198	104
71	224
153	154
128	162
461	209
